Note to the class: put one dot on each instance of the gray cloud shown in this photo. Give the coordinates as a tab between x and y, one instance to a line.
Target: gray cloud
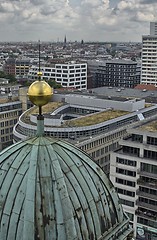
78	19
148	1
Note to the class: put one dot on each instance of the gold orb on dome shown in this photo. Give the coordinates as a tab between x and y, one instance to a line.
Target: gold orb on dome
40	73
40	93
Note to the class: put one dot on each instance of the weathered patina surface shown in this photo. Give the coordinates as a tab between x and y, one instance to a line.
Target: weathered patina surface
49	190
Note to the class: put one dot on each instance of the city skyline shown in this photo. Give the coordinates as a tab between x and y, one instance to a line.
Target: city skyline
90	20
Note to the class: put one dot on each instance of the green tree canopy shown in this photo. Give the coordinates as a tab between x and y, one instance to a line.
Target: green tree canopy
11	78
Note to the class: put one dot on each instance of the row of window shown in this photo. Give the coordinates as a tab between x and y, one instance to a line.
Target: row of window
6	131
103	141
10	107
148	201
70	67
148	223
152	140
125	182
125	192
126	172
148	190
150	154
126	162
8	123
101	151
127	202
131	150
71	71
6	138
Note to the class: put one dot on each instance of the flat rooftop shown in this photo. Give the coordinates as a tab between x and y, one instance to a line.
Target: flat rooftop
95	118
87	120
150	96
150	126
6	100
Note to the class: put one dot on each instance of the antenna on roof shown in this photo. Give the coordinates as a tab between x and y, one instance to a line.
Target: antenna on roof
40	94
39	55
39	68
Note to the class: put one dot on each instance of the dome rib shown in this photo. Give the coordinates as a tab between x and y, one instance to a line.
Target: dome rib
12	180
81	209
88	191
62	196
30	201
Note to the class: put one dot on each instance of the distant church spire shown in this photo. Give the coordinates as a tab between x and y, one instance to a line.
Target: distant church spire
65	42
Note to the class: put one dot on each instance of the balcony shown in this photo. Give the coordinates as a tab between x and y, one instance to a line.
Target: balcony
147	174
146	195
151	184
146	205
146	214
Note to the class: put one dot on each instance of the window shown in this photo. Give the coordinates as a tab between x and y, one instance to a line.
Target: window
64	67
149	168
125	192
148	223
126	172
137	138
148	190
125	182
151	140
127	202
131	150
126	162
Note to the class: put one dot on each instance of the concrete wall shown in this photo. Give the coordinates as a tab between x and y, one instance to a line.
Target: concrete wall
82	100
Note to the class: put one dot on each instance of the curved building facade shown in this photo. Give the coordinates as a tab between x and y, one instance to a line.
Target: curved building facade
97	138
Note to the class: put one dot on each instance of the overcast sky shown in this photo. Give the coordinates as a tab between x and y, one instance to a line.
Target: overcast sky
95	20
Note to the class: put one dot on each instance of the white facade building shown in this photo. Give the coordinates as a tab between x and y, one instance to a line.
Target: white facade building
73	75
149	60
149	57
153	28
133	172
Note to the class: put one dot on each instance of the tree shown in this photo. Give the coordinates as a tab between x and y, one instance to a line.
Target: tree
11	78
53	84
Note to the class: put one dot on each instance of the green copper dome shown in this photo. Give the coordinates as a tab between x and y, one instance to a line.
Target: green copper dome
51	190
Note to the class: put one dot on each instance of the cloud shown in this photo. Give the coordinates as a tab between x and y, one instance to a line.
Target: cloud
78	19
148	1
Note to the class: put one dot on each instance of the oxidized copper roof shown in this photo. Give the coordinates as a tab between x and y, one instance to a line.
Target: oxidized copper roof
49	189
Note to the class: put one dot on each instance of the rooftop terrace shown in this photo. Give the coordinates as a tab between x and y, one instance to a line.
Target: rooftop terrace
87	120
95	118
7	100
150	126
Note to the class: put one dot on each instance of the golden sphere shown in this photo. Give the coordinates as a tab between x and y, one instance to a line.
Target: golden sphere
40	73
40	93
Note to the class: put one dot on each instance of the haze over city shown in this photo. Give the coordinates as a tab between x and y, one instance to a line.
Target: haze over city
94	20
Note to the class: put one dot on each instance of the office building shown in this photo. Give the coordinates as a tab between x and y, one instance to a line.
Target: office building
9	66
115	73
17	67
71	74
122	73
133	171
22	67
149	57
153	28
10	110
